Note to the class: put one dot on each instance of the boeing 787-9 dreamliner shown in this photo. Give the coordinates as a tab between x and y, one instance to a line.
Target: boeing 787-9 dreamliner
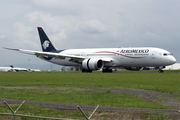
134	58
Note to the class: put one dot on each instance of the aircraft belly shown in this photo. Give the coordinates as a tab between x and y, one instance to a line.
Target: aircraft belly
65	63
132	62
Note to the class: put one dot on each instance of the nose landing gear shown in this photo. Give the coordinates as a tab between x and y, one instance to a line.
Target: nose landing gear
160	69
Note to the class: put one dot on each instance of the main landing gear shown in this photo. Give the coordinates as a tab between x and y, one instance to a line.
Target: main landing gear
107	70
86	71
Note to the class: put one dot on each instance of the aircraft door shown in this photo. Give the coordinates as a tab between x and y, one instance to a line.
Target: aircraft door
154	54
119	55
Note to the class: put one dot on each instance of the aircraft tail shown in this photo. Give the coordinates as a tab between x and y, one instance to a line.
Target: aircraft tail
46	44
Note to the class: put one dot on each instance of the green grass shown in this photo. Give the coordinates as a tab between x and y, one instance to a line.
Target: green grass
79	97
168	82
177	98
36	110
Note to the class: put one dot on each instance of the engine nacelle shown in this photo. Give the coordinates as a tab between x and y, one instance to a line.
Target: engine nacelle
92	64
134	68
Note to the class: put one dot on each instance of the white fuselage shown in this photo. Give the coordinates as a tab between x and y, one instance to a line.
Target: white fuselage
121	57
102	58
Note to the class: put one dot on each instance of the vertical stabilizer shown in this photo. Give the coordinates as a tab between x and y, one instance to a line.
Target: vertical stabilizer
46	44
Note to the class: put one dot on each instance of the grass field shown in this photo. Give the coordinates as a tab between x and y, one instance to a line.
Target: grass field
35	110
168	82
79	97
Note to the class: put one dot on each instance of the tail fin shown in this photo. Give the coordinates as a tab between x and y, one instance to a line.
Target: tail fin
46	44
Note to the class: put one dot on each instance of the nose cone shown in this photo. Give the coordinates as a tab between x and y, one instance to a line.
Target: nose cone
173	60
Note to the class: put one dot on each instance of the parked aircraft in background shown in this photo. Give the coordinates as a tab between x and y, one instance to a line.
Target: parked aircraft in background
12	69
134	58
16	69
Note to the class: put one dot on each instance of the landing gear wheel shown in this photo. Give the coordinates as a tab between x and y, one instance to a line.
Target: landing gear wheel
107	70
160	71
83	70
86	71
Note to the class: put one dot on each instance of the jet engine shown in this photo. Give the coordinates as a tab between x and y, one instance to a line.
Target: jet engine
134	68
92	64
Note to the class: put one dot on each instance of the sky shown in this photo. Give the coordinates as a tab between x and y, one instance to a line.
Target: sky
87	24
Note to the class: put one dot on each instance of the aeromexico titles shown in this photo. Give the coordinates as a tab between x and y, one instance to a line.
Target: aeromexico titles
102	58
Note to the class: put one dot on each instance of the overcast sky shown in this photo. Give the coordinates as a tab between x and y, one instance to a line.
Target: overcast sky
88	24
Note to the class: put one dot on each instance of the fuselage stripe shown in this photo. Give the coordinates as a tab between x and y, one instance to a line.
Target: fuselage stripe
118	54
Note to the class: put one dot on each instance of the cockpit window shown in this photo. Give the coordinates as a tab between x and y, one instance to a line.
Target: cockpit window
166	54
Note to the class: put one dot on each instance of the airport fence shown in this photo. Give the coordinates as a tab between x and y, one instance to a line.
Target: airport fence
40	117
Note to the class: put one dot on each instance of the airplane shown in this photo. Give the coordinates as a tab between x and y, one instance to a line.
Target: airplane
12	69
132	58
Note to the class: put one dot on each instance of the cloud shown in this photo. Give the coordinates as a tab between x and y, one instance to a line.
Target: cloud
123	22
2	36
24	33
52	3
59	25
93	27
33	16
91	24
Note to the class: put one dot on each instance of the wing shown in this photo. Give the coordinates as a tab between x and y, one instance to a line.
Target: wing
73	58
